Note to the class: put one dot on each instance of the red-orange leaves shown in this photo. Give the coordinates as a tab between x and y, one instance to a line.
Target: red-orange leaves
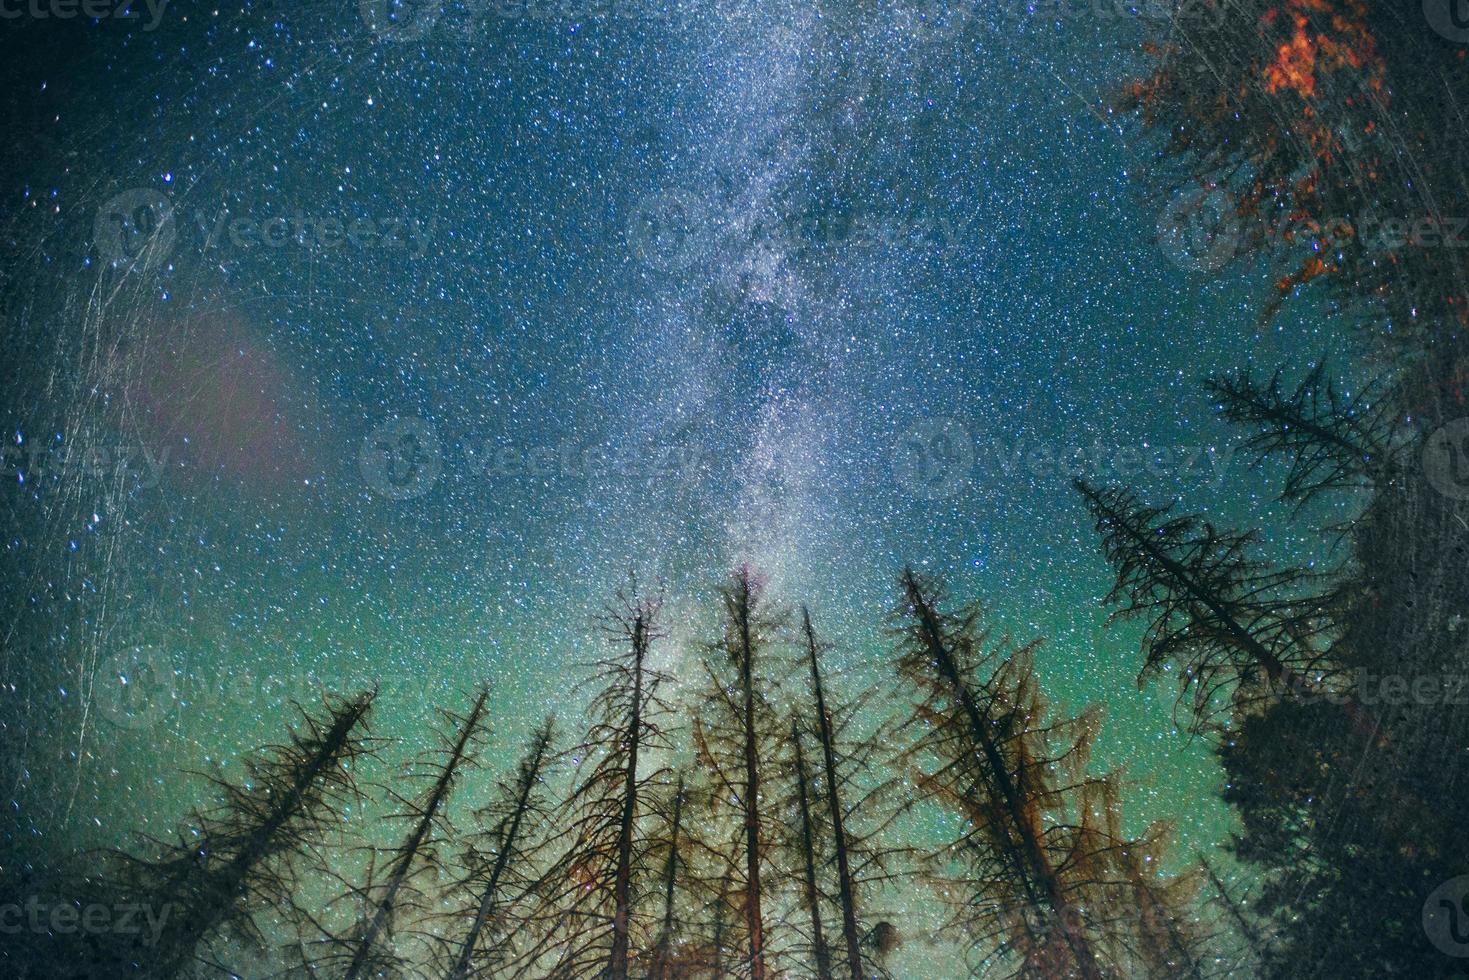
1295	64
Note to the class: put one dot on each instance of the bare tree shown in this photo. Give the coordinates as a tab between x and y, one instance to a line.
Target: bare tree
622	761
367	948
807	833
858	785
504	865
239	857
736	731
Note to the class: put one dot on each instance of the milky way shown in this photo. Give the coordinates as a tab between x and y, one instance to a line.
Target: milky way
415	334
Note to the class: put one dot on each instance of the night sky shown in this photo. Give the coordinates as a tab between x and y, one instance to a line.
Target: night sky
826	289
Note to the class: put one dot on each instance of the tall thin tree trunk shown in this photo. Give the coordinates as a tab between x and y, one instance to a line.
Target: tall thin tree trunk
490	896
834	804
1037	866
383	912
622	884
670	878
720	906
808	859
754	921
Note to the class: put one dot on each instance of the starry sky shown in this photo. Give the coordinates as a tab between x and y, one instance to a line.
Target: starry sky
350	345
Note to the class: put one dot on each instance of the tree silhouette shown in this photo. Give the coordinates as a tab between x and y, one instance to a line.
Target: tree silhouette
621	757
238	858
503	867
737	730
1236	628
806	836
665	962
367	948
1331	440
859	856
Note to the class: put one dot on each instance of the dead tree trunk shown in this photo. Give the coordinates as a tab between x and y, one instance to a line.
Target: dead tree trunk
1037	870
508	847
408	853
663	950
840	843
754	920
811	890
622	882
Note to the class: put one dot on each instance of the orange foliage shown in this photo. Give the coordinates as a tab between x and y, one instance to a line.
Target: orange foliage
1295	64
1299	60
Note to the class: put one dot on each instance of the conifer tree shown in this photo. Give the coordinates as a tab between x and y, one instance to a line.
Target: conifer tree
1332	440
1236	629
1041	868
736	732
602	926
504	869
979	754
239	858
392	895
